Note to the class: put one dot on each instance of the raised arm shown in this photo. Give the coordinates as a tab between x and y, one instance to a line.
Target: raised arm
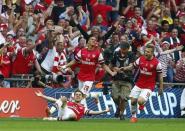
40	94
178	48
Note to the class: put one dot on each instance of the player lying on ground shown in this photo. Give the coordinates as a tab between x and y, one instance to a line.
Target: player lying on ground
68	110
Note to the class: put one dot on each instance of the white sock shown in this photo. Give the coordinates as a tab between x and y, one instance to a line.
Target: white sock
134	110
52	109
134	115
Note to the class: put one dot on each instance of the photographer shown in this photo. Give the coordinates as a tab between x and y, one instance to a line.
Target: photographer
48	81
122	82
54	56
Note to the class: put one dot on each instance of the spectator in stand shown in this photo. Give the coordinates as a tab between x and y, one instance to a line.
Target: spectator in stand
99	20
5	64
48	50
174	41
180	68
166	60
20	32
128	11
100	7
137	19
181	10
152	9
83	18
40	7
25	59
150	31
113	15
178	25
96	32
57	10
3	32
67	14
166	15
164	30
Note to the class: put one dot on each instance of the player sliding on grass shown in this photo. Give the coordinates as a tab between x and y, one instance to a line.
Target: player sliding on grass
149	68
68	110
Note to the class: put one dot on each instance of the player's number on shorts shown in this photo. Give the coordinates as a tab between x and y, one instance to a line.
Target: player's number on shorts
86	88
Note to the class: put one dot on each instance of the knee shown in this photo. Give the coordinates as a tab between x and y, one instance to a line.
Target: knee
141	101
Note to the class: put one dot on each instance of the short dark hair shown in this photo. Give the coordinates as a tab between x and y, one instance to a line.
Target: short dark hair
164	22
124	45
79	91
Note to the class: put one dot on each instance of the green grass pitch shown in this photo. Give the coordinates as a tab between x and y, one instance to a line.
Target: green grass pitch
20	124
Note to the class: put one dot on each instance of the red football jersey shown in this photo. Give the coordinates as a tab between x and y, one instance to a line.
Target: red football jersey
88	60
78	109
23	64
5	68
148	72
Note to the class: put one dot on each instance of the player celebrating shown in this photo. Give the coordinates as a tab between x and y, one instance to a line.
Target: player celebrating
88	58
149	68
68	110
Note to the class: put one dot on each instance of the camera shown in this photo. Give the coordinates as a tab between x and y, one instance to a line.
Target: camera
55	78
43	80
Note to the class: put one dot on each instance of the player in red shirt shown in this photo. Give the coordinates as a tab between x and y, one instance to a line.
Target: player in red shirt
149	68
88	58
68	110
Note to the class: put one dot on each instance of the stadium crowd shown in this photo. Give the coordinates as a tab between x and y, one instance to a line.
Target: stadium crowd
50	40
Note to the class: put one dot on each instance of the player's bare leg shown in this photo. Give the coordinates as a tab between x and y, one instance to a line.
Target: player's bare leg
50	111
141	103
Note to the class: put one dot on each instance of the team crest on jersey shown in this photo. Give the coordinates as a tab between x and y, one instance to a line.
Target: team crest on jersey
93	55
151	66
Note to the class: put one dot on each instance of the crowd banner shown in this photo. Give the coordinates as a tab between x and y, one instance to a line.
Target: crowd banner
21	102
165	106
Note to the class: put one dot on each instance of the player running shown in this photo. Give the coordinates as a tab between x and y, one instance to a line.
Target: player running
149	68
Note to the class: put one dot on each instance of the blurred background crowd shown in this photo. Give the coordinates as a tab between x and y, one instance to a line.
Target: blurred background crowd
28	57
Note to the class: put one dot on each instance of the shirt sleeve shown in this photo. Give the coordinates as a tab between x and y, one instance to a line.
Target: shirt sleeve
101	59
78	56
136	63
159	68
86	112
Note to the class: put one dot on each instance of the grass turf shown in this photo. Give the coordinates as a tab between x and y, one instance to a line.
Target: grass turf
18	124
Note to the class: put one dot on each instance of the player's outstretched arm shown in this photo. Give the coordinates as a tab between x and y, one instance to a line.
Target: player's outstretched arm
91	112
40	94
